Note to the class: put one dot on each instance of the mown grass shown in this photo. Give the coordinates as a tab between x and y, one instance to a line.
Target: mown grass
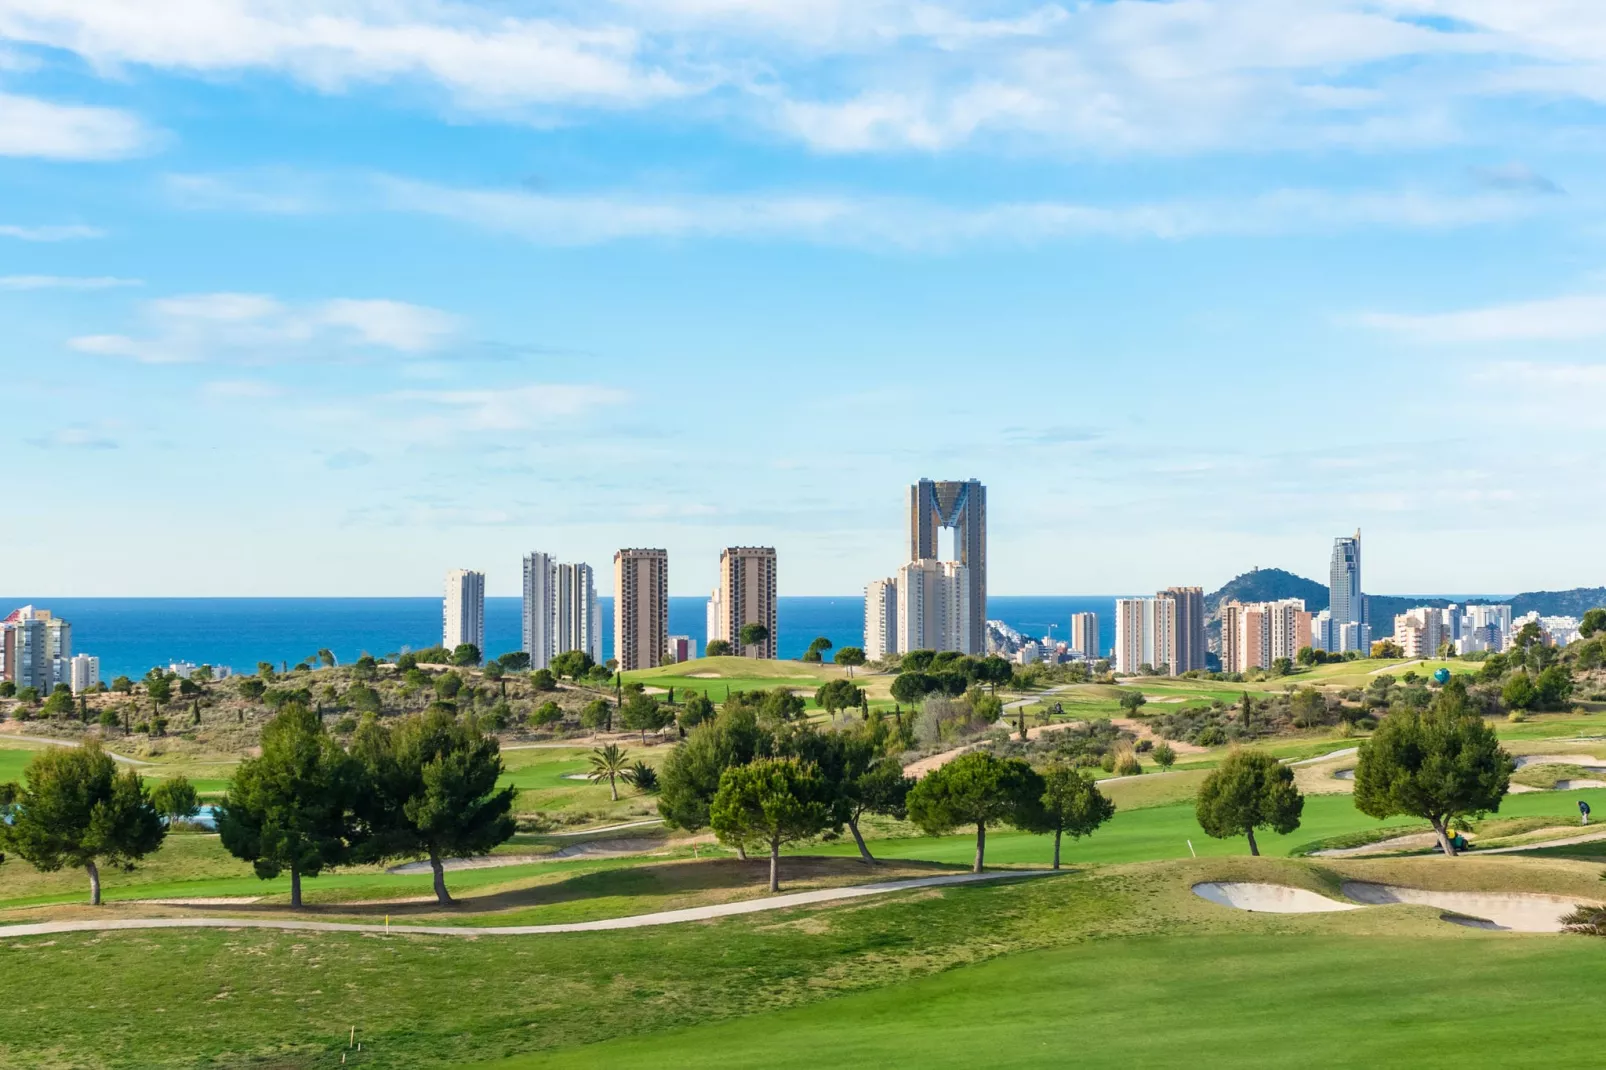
1128	950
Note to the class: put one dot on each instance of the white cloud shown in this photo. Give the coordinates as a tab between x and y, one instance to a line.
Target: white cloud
1556	319
64	282
392	324
894	75
511	409
71	232
482	55
74	438
39	128
900	223
241	389
256	328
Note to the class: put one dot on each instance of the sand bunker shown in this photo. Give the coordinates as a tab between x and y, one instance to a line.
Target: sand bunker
1574	785
1267	898
1583	761
1521	912
1344	774
1514	911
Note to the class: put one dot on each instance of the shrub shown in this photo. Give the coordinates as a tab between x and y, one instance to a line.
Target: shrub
1145	746
1128	765
1516	716
547	714
1212	736
543	680
346	725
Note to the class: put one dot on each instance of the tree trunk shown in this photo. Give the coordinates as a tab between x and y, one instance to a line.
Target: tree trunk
1444	837
613	786
741	852
442	896
94	882
981	844
864	852
775	865
1254	848
1057	848
295	886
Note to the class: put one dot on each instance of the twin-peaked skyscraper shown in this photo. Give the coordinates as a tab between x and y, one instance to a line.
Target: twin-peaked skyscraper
934	604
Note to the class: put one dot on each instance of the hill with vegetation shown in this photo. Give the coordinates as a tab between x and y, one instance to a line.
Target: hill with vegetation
1267	585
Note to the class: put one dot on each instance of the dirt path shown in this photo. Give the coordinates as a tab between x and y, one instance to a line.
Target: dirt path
639	921
73	743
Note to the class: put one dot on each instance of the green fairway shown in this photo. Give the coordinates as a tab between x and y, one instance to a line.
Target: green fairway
1161	832
1239	1000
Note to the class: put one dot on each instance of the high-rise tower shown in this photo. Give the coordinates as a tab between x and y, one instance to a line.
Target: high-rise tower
746	596
962	506
1351	630
463	610
640	608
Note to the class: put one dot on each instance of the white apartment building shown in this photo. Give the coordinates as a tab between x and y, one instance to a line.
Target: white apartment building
1134	634
712	616
539	615
934	611
1420	631
680	648
881	619
463	610
83	673
576	625
26	644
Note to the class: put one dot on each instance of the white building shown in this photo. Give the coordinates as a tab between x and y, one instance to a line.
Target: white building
1085	635
713	615
680	648
83	673
27	642
934	607
577	625
1420	631
463	610
539	610
1134	634
881	619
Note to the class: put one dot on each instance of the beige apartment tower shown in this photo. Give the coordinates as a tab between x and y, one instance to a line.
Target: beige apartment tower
1085	635
746	596
640	608
1184	643
1255	634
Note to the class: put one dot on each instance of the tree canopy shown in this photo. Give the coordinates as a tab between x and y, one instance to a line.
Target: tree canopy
1250	789
753	635
978	789
718	648
770	801
431	791
76	809
1071	803
689	777
1436	764
292	807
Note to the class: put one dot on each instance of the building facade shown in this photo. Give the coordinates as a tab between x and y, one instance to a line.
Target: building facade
463	610
1134	635
540	609
1256	634
933	599
640	607
881	619
83	673
1184	644
1085	636
25	645
746	595
1350	627
680	648
961	506
577	625
1420	631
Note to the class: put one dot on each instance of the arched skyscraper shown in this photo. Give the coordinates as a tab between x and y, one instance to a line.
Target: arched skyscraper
934	505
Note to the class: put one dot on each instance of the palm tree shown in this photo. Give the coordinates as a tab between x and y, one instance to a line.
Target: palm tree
608	763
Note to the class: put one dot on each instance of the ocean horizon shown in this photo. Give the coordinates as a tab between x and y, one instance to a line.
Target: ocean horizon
130	635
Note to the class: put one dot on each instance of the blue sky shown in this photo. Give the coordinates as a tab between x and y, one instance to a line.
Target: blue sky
307	297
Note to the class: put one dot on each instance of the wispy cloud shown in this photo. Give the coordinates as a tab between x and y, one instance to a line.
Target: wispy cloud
1122	76
74	438
1557	319
241	389
901	223
256	328
43	129
47	233
509	409
64	282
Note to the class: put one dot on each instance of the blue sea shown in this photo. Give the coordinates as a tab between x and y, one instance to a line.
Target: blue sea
130	635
